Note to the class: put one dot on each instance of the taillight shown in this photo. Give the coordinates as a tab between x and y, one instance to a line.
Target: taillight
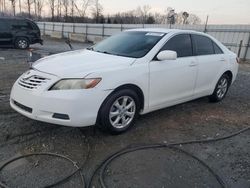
237	60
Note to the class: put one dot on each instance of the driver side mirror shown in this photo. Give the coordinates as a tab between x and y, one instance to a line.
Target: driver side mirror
167	55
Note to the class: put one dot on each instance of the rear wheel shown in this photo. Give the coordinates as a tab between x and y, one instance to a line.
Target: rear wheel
22	43
119	111
221	89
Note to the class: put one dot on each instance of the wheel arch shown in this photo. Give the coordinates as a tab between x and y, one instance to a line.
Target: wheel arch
133	87
136	89
229	74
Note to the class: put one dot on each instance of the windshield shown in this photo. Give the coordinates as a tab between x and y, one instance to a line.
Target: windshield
129	44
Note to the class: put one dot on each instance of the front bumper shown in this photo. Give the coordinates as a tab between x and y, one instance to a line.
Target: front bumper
75	108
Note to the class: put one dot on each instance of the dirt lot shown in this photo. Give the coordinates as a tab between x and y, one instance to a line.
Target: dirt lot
198	119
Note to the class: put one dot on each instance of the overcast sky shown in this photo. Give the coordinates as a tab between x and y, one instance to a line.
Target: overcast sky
219	11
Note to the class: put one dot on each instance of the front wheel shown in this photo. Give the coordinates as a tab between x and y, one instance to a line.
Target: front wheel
119	111
221	89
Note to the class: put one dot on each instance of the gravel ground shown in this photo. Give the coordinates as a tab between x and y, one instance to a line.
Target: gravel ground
198	119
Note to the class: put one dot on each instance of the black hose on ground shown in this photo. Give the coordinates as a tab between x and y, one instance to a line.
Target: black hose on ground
78	169
103	165
146	147
72	174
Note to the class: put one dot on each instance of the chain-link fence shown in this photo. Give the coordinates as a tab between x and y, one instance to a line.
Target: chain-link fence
235	37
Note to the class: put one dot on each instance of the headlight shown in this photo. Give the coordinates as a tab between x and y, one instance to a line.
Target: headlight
68	84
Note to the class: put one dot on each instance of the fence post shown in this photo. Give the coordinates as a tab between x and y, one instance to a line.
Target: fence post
239	51
53	26
103	30
121	27
62	30
44	28
86	33
247	46
74	28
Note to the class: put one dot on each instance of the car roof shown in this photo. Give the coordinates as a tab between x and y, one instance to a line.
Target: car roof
164	30
14	18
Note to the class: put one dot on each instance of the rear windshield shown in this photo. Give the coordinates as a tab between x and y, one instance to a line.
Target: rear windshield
133	44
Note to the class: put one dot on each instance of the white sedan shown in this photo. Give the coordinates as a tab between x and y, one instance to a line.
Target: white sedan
131	73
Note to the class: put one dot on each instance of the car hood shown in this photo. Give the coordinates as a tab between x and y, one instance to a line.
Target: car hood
80	63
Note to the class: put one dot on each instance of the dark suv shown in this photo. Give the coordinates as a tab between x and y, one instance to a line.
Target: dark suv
19	32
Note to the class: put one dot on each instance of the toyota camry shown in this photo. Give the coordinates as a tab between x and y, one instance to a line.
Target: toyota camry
131	73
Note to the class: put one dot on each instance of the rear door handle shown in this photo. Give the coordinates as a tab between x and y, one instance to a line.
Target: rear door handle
222	59
193	64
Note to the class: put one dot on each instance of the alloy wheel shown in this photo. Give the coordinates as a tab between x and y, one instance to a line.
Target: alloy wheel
122	112
222	88
22	44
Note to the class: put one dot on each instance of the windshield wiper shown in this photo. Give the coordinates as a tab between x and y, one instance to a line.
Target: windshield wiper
104	52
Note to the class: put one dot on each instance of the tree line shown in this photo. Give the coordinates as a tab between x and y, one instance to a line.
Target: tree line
90	11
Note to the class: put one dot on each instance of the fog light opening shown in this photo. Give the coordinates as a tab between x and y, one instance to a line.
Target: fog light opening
61	116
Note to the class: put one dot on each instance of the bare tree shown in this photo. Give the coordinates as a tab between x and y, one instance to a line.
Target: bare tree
160	18
35	8
193	19
29	4
185	16
2	6
20	6
52	8
97	10
13	4
84	4
65	5
72	9
59	9
145	12
171	15
39	5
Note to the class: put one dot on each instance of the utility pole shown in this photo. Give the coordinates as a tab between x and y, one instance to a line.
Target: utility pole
205	29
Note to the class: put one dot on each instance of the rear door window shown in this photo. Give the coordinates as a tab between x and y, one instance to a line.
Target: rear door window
21	25
202	45
181	44
3	25
217	49
34	25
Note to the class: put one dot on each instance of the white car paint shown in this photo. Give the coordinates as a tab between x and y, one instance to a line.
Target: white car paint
163	83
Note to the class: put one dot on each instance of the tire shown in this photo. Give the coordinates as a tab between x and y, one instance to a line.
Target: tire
22	43
221	89
119	111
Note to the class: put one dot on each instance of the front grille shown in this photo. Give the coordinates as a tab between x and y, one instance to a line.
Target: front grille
32	82
25	108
